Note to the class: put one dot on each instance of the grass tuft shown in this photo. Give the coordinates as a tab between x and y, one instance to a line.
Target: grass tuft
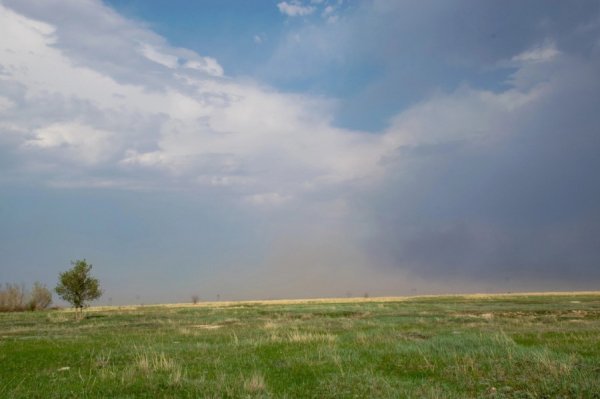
255	383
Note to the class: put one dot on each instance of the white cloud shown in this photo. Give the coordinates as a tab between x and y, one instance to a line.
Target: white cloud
295	9
332	19
5	104
328	10
32	60
78	141
150	159
190	125
329	14
199	127
170	61
464	115
542	53
268	199
206	64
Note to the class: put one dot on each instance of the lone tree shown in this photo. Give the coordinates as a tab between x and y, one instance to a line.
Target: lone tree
77	287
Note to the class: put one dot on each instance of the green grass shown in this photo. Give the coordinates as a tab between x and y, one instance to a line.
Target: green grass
544	346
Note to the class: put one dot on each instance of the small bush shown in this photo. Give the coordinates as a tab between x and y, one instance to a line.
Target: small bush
40	297
14	297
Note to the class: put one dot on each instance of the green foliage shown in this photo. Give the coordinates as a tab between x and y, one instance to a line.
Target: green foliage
77	286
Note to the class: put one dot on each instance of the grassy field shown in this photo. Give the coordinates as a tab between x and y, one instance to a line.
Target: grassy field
514	346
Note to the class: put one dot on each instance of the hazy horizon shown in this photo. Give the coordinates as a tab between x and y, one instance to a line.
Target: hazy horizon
300	148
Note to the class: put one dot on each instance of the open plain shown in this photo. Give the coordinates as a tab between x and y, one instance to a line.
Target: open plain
496	346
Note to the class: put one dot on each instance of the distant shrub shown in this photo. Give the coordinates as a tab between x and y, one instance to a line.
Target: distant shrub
14	297
195	299
40	297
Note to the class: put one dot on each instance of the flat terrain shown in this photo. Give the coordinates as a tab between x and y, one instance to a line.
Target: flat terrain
521	346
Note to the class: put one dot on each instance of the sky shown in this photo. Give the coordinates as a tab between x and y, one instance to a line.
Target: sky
300	148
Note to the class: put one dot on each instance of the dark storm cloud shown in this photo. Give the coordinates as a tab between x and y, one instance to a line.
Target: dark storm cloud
526	207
